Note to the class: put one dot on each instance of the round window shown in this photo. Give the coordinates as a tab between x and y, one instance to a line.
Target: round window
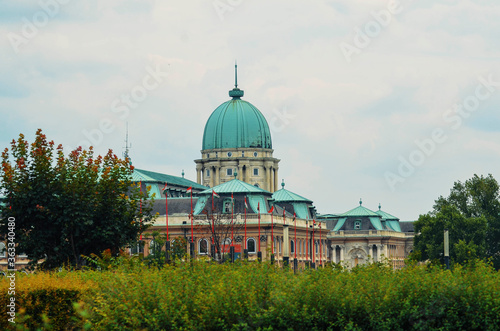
229	154
255	154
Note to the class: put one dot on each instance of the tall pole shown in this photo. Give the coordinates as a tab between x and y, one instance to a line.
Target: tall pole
192	218
272	233
166	208
258	210
320	247
245	222
307	240
295	262
213	227
245	251
212	247
232	218
140	208
191	246
313	248
295	237
446	249
167	243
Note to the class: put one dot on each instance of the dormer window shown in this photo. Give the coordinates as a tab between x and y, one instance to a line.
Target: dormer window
357	225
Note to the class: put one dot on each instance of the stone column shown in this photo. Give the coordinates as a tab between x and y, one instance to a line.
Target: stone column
286	242
342	249
379	252
217	176
271	180
267	181
212	177
276	178
198	175
370	251
334	253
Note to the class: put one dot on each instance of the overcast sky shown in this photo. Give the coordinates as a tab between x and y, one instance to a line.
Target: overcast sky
386	101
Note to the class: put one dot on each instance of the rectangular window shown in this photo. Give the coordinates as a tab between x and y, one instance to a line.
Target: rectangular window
229	172
255	171
208	172
243	153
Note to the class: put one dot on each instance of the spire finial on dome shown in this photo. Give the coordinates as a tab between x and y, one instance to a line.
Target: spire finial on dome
236	93
235	74
283	183
379	206
360	202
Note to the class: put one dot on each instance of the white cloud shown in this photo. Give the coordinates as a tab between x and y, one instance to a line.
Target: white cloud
352	120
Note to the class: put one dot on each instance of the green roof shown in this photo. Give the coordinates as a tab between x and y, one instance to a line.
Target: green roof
235	186
386	216
150	176
236	124
285	195
360	211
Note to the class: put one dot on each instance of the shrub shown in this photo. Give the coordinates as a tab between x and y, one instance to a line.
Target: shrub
45	300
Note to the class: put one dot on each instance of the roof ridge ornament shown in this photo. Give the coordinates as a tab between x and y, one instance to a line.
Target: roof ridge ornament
283	184
360	202
379	206
236	93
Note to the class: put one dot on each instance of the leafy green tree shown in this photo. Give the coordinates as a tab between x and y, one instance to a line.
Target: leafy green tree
471	214
156	256
467	236
179	248
66	207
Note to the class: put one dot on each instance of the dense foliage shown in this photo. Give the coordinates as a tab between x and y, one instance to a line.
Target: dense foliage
471	213
249	296
46	301
68	206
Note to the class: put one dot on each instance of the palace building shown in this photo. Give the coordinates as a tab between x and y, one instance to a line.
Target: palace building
237	203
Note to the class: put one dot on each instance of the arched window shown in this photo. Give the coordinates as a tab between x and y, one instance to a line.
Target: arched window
316	245
227	206
251	246
136	248
203	246
292	247
256	185
357	225
154	247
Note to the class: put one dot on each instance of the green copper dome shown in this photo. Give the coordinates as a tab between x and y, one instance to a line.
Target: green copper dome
236	124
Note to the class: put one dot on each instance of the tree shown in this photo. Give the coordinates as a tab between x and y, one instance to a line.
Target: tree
221	229
471	214
467	236
66	207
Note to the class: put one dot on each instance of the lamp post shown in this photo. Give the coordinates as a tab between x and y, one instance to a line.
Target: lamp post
446	249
